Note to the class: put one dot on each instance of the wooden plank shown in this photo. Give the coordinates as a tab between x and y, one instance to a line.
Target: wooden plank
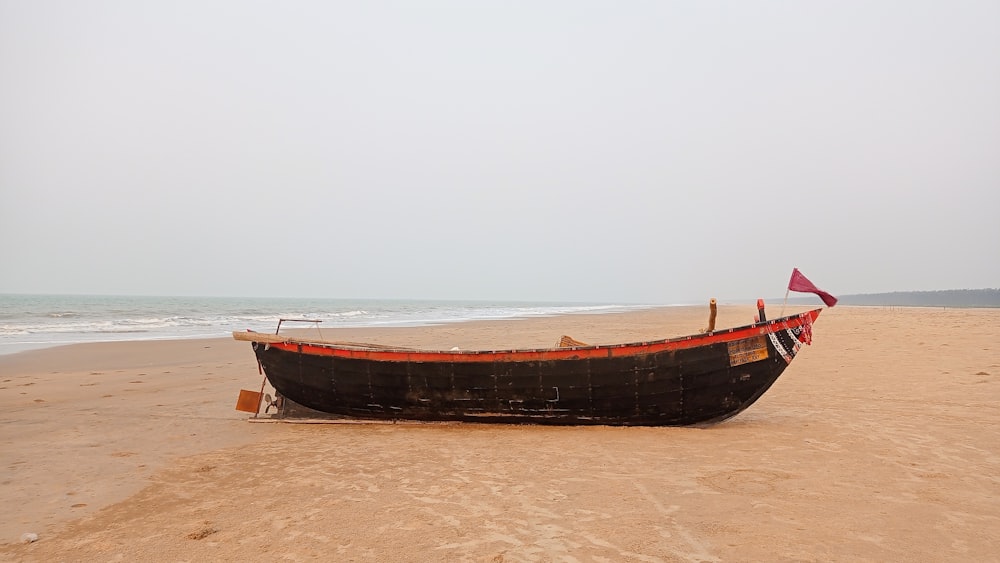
249	336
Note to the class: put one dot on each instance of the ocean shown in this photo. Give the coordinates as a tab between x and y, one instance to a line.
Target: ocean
39	321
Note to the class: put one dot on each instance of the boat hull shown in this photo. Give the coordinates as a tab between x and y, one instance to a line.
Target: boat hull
692	380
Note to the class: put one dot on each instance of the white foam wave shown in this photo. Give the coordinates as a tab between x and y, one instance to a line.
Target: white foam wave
349	314
52	321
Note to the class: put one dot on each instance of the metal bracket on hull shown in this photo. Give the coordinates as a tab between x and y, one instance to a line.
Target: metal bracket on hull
314	321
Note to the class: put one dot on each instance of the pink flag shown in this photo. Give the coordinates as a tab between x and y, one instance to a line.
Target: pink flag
801	283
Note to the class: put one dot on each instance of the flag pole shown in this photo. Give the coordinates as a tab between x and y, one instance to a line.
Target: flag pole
784	303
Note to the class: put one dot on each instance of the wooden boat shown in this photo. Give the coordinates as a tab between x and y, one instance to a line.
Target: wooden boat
696	379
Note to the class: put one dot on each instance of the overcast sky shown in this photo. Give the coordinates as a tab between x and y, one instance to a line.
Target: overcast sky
654	152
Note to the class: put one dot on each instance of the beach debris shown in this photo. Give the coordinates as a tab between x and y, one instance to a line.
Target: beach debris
569	342
29	537
202	533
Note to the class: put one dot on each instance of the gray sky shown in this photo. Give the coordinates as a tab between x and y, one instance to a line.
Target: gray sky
598	151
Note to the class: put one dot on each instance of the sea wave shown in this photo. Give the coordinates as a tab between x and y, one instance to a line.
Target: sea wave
348	314
34	320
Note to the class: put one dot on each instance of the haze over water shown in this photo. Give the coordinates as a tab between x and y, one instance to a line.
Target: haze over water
584	151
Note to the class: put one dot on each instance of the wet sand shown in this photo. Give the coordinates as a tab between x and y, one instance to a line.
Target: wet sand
880	442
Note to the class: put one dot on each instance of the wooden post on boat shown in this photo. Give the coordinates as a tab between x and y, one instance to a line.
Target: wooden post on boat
760	311
712	310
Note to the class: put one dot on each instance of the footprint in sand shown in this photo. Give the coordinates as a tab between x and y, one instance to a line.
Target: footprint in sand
745	481
79	505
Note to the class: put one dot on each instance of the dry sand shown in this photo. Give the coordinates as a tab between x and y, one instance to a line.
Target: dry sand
881	442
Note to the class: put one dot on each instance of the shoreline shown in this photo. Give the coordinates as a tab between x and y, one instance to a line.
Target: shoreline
59	338
135	448
9	348
379	330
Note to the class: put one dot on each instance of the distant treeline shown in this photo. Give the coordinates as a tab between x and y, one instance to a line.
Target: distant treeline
943	298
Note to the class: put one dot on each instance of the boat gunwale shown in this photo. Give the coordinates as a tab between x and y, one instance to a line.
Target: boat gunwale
395	353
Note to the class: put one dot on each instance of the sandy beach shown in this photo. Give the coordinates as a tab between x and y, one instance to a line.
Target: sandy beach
881	442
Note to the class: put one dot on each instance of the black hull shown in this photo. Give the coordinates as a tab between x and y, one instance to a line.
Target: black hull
674	386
